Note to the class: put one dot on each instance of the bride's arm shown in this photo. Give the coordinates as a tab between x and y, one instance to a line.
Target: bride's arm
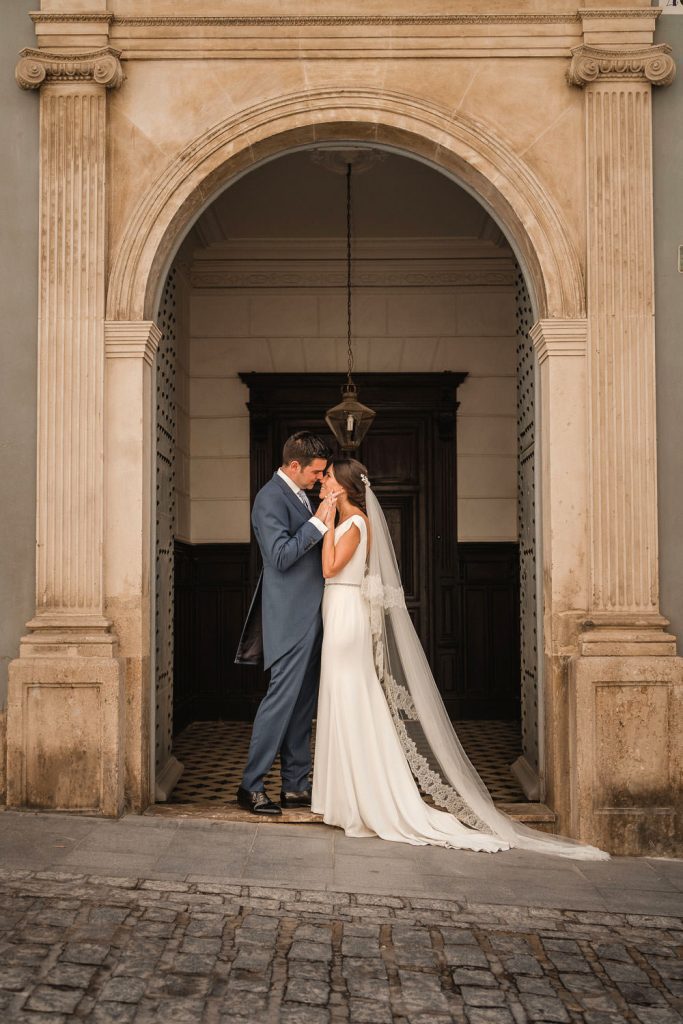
336	556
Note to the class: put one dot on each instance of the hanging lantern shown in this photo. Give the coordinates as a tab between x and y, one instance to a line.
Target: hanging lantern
350	420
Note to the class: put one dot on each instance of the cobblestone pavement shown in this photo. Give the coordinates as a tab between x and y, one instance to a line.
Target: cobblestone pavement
83	947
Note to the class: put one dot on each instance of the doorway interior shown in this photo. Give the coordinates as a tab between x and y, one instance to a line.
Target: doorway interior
252	348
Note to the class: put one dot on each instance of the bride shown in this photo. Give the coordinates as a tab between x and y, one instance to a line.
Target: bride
383	737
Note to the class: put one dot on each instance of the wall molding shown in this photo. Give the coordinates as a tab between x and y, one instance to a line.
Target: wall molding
377	36
379	248
559	338
373	274
377	263
131	339
64	17
298	21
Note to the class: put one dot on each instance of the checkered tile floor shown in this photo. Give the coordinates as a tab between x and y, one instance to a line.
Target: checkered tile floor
214	754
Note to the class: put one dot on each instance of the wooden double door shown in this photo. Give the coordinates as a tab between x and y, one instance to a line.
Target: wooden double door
462	598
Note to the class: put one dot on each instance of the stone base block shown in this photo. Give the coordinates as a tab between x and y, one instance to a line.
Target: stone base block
626	753
139	733
527	777
166	781
65	728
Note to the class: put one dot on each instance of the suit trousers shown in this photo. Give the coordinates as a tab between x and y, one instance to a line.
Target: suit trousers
285	716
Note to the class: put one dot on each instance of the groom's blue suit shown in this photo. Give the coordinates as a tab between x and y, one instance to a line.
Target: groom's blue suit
291	595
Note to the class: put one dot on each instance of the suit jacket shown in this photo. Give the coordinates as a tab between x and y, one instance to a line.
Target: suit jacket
290	590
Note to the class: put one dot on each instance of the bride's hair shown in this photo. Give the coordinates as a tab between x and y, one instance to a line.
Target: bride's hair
347	472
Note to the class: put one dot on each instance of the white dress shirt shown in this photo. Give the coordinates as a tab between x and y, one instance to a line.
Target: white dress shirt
290	483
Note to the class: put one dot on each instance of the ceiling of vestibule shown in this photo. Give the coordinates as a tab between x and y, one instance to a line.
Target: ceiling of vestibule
397	198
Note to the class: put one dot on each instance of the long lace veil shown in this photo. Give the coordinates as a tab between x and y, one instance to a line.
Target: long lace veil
435	755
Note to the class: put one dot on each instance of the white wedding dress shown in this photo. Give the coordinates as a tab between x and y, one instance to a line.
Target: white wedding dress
362	781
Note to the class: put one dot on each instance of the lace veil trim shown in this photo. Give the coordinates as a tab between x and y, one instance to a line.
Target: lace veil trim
381	597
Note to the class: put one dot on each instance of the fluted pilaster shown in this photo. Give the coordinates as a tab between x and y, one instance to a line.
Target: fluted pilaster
621	369
620	295
66	697
69	570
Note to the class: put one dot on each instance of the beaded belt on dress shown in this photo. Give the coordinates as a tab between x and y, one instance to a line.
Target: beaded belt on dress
341	584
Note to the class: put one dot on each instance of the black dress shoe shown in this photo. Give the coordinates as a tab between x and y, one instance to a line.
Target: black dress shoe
257	803
300	798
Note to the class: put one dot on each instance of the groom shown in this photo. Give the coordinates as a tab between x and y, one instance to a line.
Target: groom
288	531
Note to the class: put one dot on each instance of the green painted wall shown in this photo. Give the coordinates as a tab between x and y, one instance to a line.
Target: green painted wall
18	319
668	192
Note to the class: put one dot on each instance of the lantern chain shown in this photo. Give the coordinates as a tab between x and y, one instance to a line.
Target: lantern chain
348	269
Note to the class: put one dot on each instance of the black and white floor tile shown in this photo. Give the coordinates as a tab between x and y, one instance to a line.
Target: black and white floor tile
214	754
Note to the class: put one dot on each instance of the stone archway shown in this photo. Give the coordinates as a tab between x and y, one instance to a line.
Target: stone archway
606	650
480	622
459	146
461	149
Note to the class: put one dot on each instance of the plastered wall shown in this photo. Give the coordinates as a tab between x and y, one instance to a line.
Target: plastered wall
408	329
18	319
668	213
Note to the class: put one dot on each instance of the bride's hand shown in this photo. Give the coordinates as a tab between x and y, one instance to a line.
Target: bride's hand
327	508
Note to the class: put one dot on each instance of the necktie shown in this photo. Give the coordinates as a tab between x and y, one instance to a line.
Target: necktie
303	498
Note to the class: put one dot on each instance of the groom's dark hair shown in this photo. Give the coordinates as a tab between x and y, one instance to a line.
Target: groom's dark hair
303	447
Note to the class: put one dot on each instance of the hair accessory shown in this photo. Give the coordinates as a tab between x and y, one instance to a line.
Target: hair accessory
365	479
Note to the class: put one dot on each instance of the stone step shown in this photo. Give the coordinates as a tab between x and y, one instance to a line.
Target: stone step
536	815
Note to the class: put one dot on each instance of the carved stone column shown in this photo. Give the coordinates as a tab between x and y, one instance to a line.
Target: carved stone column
560	347
130	349
623	685
65	704
624	598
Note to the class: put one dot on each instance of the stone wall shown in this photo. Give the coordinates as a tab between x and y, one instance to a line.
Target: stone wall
546	117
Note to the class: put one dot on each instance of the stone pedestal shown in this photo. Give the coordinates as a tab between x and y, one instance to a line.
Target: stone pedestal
626	723
65	708
65	723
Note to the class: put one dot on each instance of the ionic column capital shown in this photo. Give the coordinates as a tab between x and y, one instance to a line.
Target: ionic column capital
131	339
653	64
559	338
98	67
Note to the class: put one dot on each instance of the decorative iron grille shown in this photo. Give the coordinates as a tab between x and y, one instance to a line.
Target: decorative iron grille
165	518
526	518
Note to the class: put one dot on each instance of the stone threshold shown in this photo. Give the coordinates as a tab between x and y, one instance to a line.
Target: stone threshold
535	814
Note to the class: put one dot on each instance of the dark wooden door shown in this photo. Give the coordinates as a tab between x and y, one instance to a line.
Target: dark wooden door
463	598
410	452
